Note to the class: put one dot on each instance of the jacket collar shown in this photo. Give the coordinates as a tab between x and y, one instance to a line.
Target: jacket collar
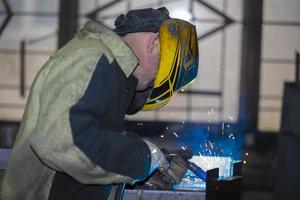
120	50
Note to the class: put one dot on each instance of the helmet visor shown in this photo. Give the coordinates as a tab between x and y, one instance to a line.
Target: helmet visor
178	64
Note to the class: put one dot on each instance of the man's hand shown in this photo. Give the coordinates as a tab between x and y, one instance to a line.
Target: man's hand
164	178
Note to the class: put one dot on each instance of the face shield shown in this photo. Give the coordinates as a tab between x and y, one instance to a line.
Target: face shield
178	64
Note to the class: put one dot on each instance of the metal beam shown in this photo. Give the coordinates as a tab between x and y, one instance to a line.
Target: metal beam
297	70
250	65
22	68
68	21
226	19
215	10
202	92
93	15
8	16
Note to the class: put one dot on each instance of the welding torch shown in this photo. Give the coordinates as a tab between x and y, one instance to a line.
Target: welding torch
198	171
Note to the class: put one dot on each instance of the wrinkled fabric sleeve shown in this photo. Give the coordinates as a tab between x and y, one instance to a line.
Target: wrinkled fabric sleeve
73	141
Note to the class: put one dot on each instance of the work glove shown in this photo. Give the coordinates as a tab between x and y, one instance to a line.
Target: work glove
158	159
165	178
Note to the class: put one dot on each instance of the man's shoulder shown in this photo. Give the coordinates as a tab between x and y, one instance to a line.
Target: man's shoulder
115	47
88	46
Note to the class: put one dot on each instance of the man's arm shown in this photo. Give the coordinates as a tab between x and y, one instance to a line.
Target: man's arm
75	144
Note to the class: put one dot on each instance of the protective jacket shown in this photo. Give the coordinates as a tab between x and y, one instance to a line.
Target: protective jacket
71	143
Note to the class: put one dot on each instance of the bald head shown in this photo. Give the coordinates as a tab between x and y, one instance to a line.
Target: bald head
145	46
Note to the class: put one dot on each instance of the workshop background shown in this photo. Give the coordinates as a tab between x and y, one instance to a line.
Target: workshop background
241	105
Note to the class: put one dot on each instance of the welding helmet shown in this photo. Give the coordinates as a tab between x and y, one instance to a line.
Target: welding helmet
178	64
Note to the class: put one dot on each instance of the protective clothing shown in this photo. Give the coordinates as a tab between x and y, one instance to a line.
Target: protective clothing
141	20
71	143
165	178
178	168
178	64
158	159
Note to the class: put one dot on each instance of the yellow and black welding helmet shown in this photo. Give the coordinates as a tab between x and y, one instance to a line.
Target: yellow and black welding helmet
178	64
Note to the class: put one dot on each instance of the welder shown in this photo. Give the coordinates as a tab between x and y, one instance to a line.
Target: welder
71	142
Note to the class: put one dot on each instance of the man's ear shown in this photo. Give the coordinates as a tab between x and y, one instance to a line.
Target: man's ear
153	42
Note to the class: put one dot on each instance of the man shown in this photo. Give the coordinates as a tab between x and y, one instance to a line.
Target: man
71	143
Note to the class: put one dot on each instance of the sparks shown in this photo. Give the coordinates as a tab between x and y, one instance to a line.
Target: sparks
162	136
175	134
223	128
209	151
183	148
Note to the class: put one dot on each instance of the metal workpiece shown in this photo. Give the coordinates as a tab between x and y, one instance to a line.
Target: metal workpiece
162	195
215	188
